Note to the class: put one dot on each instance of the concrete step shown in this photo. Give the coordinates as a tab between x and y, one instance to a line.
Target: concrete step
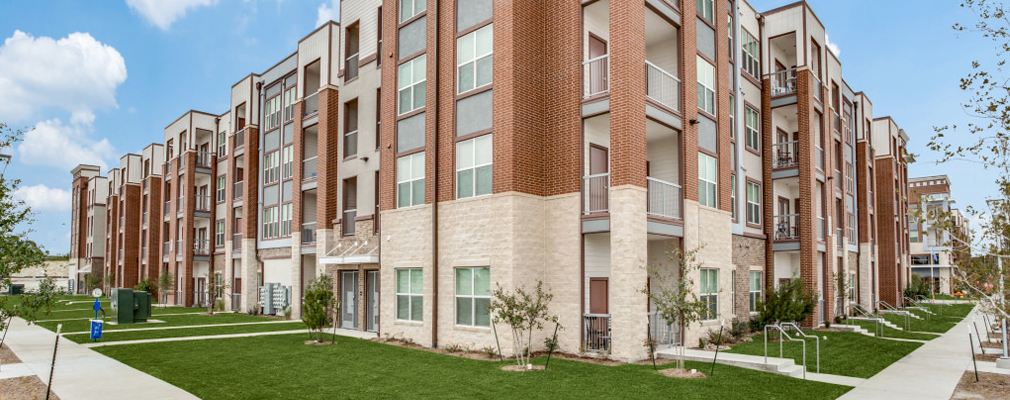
883	321
775	365
853	328
900	312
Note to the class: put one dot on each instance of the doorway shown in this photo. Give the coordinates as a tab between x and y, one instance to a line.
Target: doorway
372	302
349	304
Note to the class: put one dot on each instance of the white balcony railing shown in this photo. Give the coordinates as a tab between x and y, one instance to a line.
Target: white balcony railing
347	224
597	334
203	159
310	168
239	139
820	228
786	154
311	104
818	90
309	233
596	75
236	241
665	333
665	198
201	247
238	190
662	86
783	82
787	227
596	193
203	203
820	157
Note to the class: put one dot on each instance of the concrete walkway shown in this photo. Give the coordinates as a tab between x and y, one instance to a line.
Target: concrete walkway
930	372
82	373
340	332
781	366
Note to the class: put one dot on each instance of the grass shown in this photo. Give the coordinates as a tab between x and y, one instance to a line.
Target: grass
952	314
366	369
82	325
895	333
155	333
842	353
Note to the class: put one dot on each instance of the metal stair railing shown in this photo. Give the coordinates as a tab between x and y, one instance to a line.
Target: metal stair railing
939	306
782	333
908	323
925	310
817	341
879	327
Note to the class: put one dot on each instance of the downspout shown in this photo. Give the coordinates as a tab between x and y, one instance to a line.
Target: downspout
855	179
738	121
434	194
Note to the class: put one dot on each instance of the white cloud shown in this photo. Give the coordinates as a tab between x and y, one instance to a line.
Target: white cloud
43	198
832	46
63	146
162	13
76	73
328	12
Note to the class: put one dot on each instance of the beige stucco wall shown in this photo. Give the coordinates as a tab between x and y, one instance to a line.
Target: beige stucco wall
707	231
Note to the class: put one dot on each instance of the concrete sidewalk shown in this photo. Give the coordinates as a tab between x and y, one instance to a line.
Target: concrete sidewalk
930	372
82	373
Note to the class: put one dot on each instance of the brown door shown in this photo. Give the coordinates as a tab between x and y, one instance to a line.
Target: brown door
598	296
597	69
598	186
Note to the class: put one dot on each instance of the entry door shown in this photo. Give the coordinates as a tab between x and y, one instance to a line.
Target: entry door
598	187
598	73
348	300
372	302
785	224
201	290
598	295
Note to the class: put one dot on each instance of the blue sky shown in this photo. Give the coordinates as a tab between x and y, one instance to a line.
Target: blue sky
99	79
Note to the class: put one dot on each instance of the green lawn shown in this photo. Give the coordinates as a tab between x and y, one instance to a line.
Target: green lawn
842	353
83	325
894	333
114	336
282	366
952	314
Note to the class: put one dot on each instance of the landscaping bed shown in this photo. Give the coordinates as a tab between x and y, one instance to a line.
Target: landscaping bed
989	386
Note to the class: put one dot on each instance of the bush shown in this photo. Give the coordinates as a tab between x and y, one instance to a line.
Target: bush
917	286
317	310
790	302
756	324
147	286
550	343
740	329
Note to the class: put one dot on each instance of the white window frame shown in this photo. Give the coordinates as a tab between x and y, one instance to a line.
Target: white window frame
270	224
753	203
752	121
461	153
409	177
219	233
222	144
413	9
755	289
706	86
289	105
272	114
751	53
412	294
286	217
411	83
221	186
708	180
271	167
469	42
288	162
710	298
472	297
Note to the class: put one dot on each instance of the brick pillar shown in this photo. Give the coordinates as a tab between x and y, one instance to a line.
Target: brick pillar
808	185
328	159
188	180
250	219
297	217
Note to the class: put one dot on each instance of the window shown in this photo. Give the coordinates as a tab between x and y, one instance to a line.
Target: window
753	121
289	107
913	229
852	287
706	9
351	43
732	196
410	8
219	233
473	295
755	290
707	180
473	167
729	28
220	188
706	86
286	220
272	113
474	55
750	52
409	294
288	162
271	172
411	84
222	147
732	118
710	293
753	203
378	117
270	225
351	128
410	180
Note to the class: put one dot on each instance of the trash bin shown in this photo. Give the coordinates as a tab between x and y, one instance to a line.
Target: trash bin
122	305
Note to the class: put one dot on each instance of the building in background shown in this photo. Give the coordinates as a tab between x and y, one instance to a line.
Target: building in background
87	223
891	169
931	247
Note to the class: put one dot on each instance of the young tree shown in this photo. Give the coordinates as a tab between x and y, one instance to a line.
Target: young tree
523	312
674	294
319	306
93	280
16	250
166	284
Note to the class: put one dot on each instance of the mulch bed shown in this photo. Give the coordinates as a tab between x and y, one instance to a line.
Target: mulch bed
520	368
7	356
25	387
989	386
990	357
681	373
315	343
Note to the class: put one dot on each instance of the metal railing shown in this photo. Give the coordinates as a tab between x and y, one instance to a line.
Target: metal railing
203	159
786	154
820	228
837	121
203	203
783	334
350	144
817	342
144	218
178	247
662	86
168	207
182	163
351	67
347	224
201	247
597	332
236	241
239	139
838	181
180	205
787	227
878	328
596	75
310	104
663	332
818	89
309	233
310	168
238	190
166	248
883	305
838	237
665	198
783	82
820	157
596	193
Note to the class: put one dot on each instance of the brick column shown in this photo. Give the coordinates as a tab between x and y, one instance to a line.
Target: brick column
808	185
250	218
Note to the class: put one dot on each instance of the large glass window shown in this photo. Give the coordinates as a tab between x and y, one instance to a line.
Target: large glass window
270	223
286	217
753	121
409	294
473	295
755	290
753	203
474	55
411	84
710	293
410	8
751	53
708	179
272	113
410	180
220	188
706	86
222	147
706	9
473	167
288	169
271	168
219	233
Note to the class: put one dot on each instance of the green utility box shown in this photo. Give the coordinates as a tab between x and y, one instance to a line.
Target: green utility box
17	289
122	305
142	306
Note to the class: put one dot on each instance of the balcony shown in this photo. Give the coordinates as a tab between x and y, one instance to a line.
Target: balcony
596	76
820	228
787	227
839	239
597	334
351	67
786	154
347	224
166	248
820	157
236	241
309	233
309	168
238	190
665	199
203	159
596	193
239	140
662	86
836	121
783	82
310	104
203	203
818	89
201	247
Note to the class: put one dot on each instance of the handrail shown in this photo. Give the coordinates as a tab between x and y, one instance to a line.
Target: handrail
908	322
917	304
878	328
782	333
817	340
595	59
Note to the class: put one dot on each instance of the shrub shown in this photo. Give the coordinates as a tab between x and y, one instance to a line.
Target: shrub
756	324
490	351
318	306
147	286
524	312
550	343
740	329
790	302
917	286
